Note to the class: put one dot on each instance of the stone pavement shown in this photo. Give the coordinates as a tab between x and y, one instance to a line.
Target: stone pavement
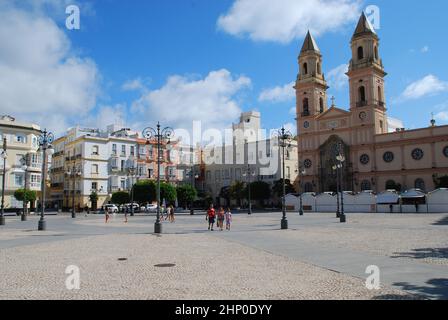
317	258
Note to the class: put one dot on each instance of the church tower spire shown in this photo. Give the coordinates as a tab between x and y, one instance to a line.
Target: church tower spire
366	76
310	86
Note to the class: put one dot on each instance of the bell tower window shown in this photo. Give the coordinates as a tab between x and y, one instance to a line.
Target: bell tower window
380	96
306	108
321	105
362	96
305	68
376	53
360	53
319	71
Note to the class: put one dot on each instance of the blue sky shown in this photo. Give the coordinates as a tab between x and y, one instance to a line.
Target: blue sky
139	61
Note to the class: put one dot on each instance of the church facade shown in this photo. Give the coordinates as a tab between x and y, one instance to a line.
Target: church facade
376	159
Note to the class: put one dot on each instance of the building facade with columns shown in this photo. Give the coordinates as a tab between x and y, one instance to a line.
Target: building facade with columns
376	159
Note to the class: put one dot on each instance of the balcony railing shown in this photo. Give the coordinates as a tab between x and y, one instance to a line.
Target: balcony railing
361	104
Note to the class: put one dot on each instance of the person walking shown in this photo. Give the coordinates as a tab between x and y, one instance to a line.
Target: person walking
211	217
228	219
106	212
171	214
221	217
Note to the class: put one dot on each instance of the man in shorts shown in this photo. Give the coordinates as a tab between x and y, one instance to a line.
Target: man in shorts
211	217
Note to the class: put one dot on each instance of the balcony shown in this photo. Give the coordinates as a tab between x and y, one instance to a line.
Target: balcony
306	114
361	104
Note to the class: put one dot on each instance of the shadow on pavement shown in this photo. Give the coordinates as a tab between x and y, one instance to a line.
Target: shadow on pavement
424	253
441	222
436	289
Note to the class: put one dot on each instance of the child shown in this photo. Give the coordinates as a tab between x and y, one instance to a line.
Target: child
107	215
221	217
228	219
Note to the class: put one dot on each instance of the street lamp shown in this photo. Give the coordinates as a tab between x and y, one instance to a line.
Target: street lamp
336	169
302	172
284	139
75	172
4	156
341	159
249	173
131	172
45	141
24	162
162	136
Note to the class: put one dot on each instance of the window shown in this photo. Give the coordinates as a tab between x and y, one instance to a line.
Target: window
366	185
420	184
321	105
364	159
20	138
114	149
94	185
217	175
208	175
380	95
381	124
95	150
288	173
95	169
417	154
391	185
308	163
123	165
362	95
122	184
19	180
388	157
132	151
305	68
123	150
376	52
319	71
308	187
360	53
306	109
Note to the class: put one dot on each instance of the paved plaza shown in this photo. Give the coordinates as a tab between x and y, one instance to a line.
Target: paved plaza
317	258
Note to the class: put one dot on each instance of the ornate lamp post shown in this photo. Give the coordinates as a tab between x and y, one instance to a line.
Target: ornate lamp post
45	141
131	171
162	136
73	174
302	172
249	173
284	139
336	169
340	165
4	156
24	163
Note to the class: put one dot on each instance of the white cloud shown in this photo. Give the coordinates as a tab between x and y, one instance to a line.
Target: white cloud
442	112
182	100
293	111
133	85
286	20
426	86
40	79
337	78
394	124
278	94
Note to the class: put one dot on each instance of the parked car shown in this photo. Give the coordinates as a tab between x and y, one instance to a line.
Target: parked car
111	208
149	208
128	207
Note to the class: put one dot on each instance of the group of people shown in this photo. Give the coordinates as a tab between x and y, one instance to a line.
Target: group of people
168	217
219	216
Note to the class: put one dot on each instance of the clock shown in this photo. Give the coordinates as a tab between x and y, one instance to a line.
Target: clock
363	116
417	154
306	124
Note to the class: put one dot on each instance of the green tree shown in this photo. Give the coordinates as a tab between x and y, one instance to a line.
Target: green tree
260	190
94	200
167	192
120	198
237	191
277	189
186	194
145	191
28	195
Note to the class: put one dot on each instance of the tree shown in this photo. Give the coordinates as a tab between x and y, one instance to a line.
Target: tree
277	189
260	190
120	198
94	200
145	191
28	195
167	192
186	194
237	191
